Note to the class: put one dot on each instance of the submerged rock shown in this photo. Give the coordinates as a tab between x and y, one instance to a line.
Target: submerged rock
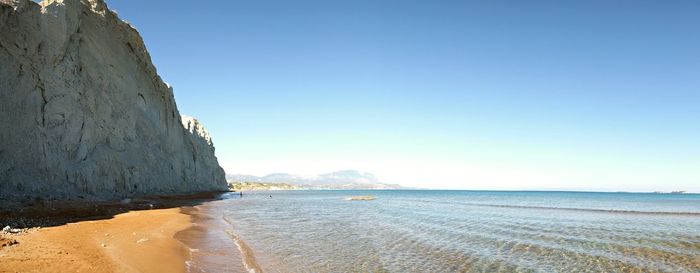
84	113
361	198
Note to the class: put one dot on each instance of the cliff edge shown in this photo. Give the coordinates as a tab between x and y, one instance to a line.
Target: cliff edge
84	114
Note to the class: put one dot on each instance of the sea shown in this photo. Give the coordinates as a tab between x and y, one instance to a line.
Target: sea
445	231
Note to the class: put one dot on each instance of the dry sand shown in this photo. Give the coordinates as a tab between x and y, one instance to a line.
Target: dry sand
136	241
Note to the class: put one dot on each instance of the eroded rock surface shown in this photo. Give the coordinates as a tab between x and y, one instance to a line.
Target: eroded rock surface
83	112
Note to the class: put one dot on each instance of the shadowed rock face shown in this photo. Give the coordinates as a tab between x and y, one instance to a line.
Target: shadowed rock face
83	112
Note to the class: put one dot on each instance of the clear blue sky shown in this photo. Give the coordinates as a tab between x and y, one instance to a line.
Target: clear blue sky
598	95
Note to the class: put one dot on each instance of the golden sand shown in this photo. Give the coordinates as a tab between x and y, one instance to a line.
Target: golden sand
136	241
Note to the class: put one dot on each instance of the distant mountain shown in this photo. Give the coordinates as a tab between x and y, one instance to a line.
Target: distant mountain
242	178
348	176
347	179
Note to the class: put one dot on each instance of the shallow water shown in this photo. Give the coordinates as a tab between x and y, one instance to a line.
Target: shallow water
451	231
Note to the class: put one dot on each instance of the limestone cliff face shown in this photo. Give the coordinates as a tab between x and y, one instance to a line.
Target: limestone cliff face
83	112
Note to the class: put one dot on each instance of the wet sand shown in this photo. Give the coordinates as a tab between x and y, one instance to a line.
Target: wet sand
213	249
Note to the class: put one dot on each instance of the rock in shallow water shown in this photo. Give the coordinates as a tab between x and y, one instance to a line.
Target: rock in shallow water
361	198
84	112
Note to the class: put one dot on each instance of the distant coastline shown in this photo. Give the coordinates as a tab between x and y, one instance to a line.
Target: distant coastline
258	186
339	180
237	186
247	185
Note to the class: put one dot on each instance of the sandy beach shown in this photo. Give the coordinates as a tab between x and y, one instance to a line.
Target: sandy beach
104	237
136	241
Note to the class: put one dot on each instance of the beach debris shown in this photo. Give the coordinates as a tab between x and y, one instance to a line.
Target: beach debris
8	229
361	198
7	242
103	245
142	240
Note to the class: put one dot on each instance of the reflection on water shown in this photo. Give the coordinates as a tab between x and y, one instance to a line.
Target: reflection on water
462	231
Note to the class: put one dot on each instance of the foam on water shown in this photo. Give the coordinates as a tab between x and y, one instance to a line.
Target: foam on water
462	231
247	255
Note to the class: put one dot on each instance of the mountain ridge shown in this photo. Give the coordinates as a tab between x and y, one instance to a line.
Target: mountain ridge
344	179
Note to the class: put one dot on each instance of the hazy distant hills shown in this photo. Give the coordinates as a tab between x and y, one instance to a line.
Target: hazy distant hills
347	179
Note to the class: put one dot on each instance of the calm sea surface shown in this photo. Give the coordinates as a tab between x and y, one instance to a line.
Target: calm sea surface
447	231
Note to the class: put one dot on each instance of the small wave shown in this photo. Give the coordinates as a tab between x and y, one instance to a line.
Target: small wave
249	261
191	265
684	213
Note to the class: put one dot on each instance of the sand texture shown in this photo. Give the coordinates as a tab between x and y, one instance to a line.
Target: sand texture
136	241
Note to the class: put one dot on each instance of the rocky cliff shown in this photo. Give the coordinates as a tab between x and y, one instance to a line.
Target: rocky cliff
83	112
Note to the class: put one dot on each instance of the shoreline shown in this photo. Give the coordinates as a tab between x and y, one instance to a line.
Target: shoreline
108	237
211	245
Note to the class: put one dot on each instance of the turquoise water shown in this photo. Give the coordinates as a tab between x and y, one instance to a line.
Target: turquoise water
454	231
